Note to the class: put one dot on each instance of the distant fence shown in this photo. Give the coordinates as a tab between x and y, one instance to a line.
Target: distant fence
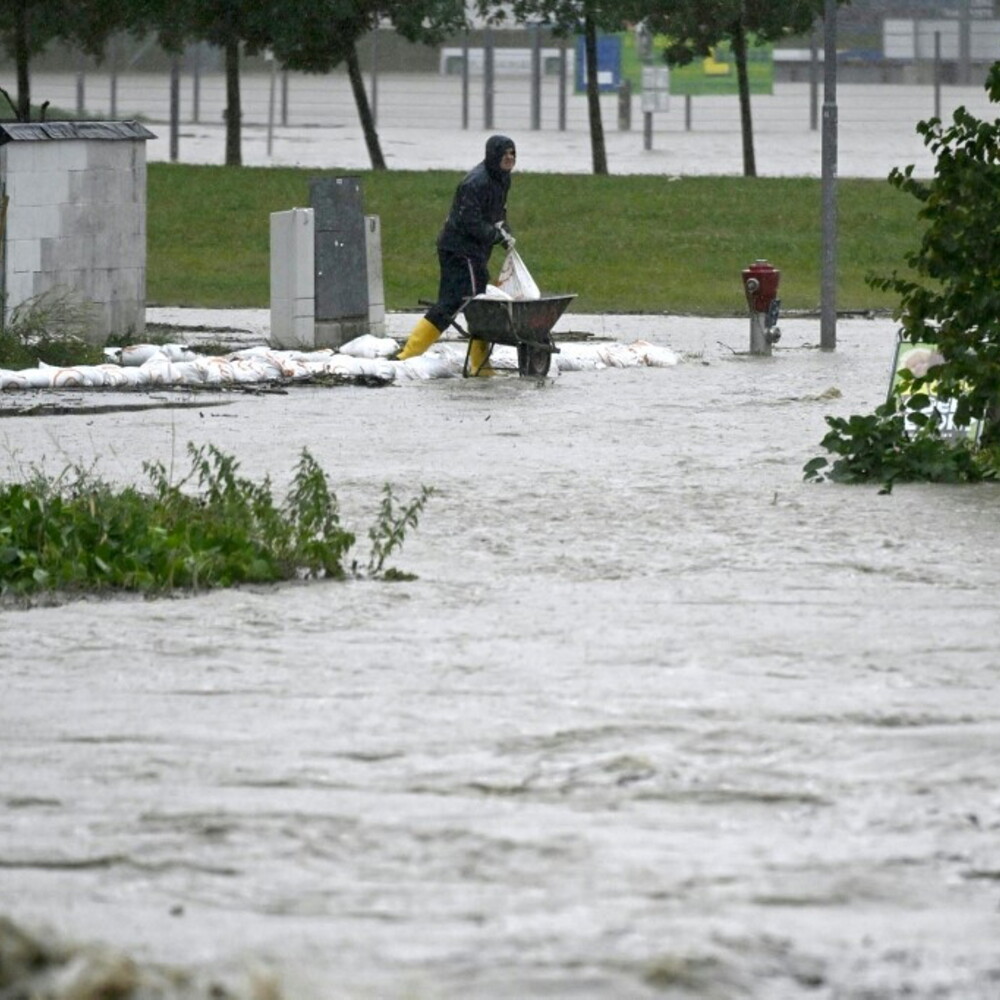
439	102
526	83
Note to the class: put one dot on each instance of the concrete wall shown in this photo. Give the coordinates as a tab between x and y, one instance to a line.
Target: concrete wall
76	222
293	279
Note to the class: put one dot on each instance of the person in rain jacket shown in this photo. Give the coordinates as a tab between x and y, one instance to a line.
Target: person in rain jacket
476	223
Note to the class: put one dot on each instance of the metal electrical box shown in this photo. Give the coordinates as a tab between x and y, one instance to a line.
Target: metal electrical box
326	269
341	259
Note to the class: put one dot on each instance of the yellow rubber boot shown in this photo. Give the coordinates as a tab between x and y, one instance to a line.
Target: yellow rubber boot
421	337
479	352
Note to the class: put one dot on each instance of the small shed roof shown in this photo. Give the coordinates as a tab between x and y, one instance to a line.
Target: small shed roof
41	131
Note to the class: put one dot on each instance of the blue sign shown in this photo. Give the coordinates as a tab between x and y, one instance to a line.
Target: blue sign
609	63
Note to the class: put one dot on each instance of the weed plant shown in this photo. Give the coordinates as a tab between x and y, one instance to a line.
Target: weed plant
49	327
76	533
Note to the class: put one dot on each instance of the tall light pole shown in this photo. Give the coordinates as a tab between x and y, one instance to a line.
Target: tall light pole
828	277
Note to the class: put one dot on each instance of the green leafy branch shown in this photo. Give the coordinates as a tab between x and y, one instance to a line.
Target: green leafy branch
212	528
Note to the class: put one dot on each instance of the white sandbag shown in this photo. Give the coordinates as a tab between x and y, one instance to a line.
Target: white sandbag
38	378
139	354
68	378
247	371
188	373
653	355
495	292
370	346
135	376
273	365
347	366
114	375
159	370
319	356
429	366
503	357
13	380
617	355
294	369
218	371
515	279
588	357
178	352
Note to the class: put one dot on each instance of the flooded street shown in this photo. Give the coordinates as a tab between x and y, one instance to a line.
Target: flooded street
656	718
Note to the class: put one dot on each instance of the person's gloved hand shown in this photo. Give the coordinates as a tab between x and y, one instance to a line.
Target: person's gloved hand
506	237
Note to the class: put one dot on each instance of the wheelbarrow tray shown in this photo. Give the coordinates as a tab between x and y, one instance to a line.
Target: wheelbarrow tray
516	321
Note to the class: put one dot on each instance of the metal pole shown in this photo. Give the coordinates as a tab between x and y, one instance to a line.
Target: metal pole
284	97
487	79
828	279
964	44
270	102
536	77
115	44
937	74
81	102
465	81
687	112
562	85
647	130
374	100
813	81
175	106
196	85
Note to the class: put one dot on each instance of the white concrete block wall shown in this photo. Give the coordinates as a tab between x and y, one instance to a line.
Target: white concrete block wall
76	220
293	265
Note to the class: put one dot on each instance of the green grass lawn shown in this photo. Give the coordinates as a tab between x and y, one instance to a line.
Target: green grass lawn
623	244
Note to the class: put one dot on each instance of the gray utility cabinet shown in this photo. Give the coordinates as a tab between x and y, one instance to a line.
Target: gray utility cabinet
73	219
326	269
346	290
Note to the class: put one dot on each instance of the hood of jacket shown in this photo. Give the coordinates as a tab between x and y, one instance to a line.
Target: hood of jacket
496	146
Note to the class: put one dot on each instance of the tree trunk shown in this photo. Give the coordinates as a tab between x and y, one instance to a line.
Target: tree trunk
364	109
597	147
746	124
22	58
234	113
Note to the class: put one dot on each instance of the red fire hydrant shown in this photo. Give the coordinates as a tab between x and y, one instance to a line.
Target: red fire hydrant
760	283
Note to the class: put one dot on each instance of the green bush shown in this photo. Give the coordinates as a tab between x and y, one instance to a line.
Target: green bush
950	297
77	533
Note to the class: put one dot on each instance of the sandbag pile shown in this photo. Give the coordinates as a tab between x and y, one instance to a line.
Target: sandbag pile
368	357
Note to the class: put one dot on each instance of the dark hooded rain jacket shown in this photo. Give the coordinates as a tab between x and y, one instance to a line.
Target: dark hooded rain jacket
480	202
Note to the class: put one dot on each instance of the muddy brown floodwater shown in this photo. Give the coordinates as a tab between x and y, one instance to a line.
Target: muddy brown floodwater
657	718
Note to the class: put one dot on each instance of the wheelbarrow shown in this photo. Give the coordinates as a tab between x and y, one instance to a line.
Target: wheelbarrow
522	323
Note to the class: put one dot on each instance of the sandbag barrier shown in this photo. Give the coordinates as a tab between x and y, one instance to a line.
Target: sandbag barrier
365	358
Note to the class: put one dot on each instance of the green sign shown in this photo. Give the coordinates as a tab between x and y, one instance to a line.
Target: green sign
714	75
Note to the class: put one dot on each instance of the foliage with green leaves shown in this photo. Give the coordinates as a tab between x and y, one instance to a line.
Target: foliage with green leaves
75	533
315	36
949	298
28	26
882	447
570	17
389	531
696	26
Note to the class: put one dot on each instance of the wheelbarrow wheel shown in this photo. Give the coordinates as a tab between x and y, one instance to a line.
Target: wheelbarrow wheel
533	360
